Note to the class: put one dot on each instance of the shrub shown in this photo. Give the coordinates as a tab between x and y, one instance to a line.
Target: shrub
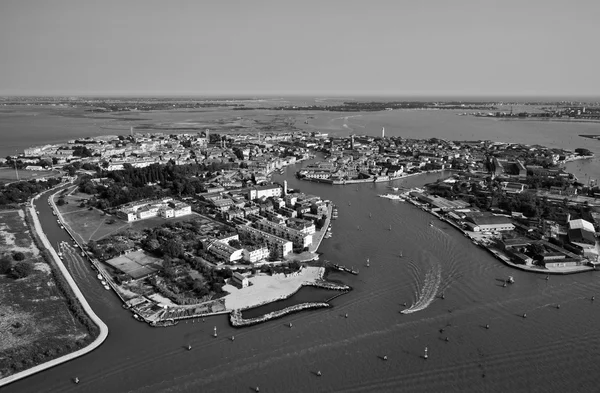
22	270
18	256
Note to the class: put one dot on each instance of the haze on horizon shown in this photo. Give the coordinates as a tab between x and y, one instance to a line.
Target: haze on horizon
264	47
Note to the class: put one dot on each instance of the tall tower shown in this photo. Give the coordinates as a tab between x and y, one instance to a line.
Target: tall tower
351	142
383	132
285	187
131	131
207	137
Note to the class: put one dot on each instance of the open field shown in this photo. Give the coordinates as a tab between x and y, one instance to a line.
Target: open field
95	225
35	321
9	175
266	289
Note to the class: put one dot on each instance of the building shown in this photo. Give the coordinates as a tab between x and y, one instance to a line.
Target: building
165	208
485	222
255	254
239	280
280	246
273	190
297	237
223	250
581	224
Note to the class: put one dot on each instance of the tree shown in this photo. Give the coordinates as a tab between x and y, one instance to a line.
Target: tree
22	270
60	202
18	256
5	265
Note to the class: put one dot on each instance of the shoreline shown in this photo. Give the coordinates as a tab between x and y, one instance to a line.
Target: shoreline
103	334
497	254
381	179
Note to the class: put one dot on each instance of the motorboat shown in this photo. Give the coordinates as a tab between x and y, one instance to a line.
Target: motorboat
510	280
391	196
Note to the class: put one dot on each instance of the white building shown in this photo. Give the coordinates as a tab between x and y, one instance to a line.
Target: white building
264	191
281	246
165	208
297	237
223	250
256	254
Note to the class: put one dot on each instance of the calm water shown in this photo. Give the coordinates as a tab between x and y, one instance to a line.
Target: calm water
550	350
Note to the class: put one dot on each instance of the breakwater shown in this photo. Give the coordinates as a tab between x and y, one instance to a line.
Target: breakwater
237	320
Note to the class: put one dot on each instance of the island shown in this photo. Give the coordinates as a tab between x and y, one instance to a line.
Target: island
183	226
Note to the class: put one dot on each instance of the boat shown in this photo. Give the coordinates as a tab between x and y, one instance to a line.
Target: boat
400	254
99	276
76	380
392	196
510	280
103	282
368	262
107	287
430	223
394	188
83	254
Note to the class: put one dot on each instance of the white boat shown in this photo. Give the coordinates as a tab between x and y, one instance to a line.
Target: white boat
103	282
391	196
99	276
107	287
510	280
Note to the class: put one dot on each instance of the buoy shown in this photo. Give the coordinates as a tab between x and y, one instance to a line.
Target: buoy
447	339
524	315
232	338
425	355
319	373
346	315
558	306
290	324
257	389
385	357
443	297
76	380
404	304
189	347
215	332
504	285
547	277
487	326
593	297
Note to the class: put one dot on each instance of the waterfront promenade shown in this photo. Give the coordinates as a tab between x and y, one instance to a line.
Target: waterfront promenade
63	270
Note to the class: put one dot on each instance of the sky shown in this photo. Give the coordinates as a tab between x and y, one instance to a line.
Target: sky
300	47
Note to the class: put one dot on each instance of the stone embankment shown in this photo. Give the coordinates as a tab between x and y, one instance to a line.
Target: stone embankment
237	320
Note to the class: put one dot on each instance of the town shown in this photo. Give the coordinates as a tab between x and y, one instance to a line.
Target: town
183	226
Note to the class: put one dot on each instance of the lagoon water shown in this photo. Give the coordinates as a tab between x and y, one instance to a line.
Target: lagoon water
552	350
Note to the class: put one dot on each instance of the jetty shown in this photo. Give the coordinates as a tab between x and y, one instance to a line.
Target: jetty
237	320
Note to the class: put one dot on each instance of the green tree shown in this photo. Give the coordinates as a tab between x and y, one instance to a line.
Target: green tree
18	256
22	270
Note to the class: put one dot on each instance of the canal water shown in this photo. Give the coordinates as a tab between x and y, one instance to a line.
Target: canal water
551	350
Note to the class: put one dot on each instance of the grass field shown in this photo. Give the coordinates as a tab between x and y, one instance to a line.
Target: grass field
9	175
35	321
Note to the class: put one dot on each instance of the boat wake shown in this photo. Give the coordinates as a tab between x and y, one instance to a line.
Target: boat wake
427	293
